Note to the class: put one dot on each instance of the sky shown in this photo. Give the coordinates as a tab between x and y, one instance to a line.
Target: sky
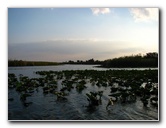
63	34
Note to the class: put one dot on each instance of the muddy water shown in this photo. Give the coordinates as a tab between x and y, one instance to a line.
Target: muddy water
47	107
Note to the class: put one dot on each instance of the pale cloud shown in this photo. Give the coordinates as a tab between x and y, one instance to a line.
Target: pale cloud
97	11
144	14
77	39
71	49
48	9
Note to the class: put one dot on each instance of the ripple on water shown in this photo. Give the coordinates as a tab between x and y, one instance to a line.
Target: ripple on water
46	107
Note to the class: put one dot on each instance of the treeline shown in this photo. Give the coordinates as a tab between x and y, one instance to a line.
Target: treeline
13	63
90	61
148	60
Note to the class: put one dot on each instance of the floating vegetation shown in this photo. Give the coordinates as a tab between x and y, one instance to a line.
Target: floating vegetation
110	102
61	95
81	86
94	98
126	86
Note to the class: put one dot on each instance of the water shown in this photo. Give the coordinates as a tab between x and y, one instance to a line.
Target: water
46	107
30	70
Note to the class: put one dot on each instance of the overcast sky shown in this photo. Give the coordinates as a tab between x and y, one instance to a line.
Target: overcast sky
62	34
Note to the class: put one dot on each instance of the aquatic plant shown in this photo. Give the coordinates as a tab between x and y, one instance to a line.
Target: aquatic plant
80	87
49	88
24	96
110	102
68	85
154	101
60	95
144	101
94	98
11	80
126	86
114	89
20	87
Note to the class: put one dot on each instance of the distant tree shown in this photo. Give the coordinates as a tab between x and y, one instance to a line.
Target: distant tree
91	61
71	62
149	60
152	55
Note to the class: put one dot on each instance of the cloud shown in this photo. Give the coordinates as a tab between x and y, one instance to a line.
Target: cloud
48	9
69	49
76	39
97	11
144	14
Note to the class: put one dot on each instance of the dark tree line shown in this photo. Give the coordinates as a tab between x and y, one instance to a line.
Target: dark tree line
13	63
90	61
148	60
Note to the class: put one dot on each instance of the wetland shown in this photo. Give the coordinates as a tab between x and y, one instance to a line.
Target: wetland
82	92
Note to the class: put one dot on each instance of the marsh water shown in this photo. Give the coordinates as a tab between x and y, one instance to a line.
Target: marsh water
46	107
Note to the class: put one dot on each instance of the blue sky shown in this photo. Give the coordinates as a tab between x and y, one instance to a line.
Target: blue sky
62	34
